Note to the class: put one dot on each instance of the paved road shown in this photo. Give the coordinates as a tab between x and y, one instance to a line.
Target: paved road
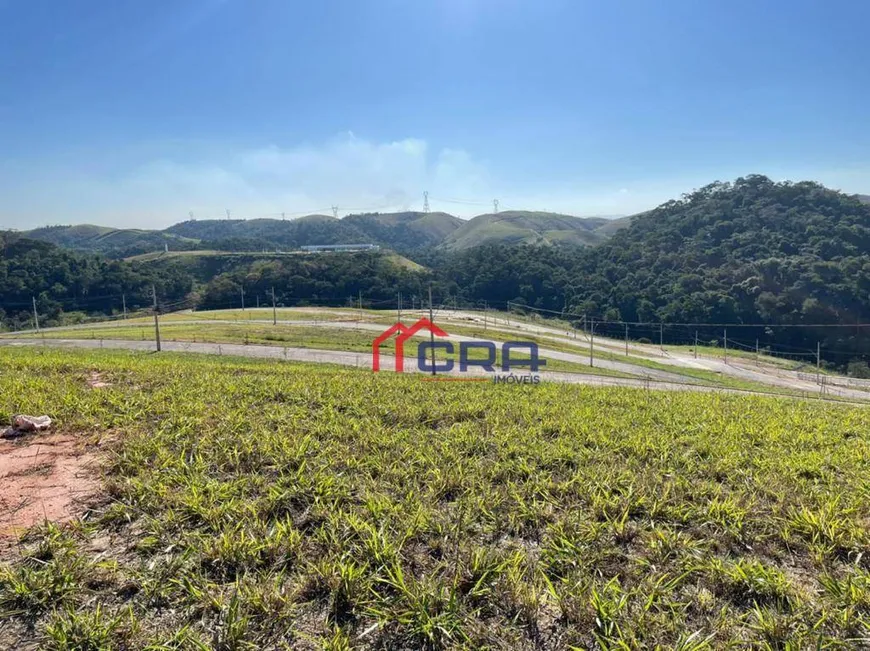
359	360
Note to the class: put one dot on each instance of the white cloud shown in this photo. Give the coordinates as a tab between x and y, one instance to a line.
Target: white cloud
348	171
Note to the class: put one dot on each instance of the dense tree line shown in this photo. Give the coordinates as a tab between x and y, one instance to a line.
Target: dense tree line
326	279
66	284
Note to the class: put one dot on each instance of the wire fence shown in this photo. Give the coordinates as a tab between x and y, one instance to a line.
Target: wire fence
693	334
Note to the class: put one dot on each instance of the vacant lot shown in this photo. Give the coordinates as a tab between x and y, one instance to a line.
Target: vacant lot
259	505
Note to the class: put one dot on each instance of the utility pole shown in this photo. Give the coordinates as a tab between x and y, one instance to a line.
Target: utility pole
156	321
696	344
360	305
485	310
818	362
431	331
725	339
399	307
756	352
662	338
592	343
626	340
243	299
258	301
274	309
124	303
35	314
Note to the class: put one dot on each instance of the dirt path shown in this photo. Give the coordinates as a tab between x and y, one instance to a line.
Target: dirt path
44	477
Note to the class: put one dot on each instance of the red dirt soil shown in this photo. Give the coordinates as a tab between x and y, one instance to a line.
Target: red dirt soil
43	476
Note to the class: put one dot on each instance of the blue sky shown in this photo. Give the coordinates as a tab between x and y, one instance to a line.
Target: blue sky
133	113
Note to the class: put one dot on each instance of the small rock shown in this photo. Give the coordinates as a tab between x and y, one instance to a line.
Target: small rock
24	423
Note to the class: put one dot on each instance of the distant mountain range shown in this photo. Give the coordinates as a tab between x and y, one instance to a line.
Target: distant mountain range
402	232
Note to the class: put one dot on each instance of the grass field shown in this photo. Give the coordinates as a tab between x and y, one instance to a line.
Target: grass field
254	505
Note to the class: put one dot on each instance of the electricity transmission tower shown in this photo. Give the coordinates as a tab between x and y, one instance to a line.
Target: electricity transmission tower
495	206
335	211
425	201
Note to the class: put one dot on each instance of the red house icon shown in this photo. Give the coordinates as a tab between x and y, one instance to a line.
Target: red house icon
405	333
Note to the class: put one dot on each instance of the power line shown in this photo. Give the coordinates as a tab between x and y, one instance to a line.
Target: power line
460	201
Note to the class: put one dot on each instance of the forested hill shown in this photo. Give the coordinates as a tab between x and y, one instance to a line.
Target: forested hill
404	232
64	282
752	250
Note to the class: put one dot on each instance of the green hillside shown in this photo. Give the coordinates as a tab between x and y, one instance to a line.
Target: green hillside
209	258
256	234
525	227
751	251
612	226
113	242
406	230
59	281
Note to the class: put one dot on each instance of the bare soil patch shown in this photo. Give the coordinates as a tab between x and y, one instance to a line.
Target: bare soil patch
96	381
43	477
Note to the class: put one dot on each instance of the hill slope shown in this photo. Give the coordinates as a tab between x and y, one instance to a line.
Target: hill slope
406	230
525	227
256	234
67	281
751	251
613	226
114	242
